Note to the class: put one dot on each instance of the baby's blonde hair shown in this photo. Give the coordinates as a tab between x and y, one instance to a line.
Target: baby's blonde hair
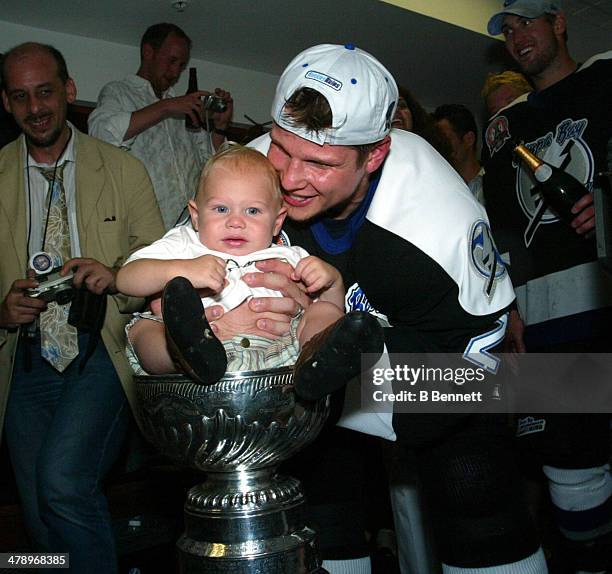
509	77
235	156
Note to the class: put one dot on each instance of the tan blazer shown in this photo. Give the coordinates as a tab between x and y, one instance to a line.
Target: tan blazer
117	213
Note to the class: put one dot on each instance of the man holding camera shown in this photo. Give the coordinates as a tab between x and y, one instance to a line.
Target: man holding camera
142	114
87	206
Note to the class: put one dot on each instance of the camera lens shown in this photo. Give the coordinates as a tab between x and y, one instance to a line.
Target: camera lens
214	104
219	105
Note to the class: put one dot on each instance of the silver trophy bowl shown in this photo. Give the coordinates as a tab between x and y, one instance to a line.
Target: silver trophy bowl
244	518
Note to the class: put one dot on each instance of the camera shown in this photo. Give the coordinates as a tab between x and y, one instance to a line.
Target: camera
214	103
52	286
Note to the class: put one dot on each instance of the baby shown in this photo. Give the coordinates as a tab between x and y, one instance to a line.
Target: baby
237	212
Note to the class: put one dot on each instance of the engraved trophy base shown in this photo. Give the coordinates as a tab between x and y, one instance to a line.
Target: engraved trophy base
244	518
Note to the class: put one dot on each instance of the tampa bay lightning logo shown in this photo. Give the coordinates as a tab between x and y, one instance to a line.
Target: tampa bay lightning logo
565	149
485	257
356	300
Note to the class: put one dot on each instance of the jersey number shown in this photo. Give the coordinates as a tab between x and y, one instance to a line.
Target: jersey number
476	351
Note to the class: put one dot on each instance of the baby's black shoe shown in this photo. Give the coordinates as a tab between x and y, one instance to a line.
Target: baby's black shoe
191	342
333	357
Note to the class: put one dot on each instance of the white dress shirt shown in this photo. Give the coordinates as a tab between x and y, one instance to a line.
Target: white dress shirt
36	188
172	155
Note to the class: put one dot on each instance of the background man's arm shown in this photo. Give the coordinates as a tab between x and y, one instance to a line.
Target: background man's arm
115	124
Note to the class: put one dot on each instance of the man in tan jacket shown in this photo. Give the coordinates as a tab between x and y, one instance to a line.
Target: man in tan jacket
64	424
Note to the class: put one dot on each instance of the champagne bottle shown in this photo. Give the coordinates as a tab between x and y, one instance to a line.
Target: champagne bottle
193	87
559	189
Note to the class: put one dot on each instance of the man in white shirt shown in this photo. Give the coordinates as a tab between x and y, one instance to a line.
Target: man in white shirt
143	114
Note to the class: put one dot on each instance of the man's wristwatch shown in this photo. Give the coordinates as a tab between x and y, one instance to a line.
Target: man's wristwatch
221	132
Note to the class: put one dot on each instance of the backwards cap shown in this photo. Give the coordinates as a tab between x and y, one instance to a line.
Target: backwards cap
361	93
524	8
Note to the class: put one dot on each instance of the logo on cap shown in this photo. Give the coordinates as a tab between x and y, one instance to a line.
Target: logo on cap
324	79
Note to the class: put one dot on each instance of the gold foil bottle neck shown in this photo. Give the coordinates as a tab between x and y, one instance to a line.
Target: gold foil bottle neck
529	158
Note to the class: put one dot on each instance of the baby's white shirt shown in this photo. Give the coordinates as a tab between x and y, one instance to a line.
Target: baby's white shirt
183	243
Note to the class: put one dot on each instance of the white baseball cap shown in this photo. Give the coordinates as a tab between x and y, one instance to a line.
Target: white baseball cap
361	93
523	8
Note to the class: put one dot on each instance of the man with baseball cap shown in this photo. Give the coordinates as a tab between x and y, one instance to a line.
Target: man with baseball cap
524	9
414	249
564	297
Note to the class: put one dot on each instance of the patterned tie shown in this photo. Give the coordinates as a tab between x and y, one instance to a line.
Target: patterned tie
58	339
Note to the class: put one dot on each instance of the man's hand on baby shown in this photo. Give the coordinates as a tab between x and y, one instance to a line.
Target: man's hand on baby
276	312
277	276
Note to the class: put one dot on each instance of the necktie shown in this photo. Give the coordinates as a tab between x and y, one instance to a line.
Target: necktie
58	339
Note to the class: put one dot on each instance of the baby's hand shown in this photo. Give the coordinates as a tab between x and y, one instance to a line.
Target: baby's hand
208	271
316	274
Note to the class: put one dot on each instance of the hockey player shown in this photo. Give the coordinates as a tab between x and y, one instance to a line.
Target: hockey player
415	249
564	297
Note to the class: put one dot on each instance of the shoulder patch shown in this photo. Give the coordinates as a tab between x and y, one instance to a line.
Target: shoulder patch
497	134
485	258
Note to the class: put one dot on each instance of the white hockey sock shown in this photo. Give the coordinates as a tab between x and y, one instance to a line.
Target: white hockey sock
355	566
583	499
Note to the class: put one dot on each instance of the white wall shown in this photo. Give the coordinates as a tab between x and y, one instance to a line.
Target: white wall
92	63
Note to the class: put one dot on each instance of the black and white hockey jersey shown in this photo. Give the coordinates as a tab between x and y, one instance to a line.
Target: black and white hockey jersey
569	125
418	252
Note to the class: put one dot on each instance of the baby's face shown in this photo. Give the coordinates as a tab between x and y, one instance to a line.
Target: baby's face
238	212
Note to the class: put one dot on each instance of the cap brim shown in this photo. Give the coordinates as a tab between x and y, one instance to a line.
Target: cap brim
495	24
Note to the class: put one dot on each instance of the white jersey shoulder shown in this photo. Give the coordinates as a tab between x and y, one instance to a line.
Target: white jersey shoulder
596	58
423	200
518	100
